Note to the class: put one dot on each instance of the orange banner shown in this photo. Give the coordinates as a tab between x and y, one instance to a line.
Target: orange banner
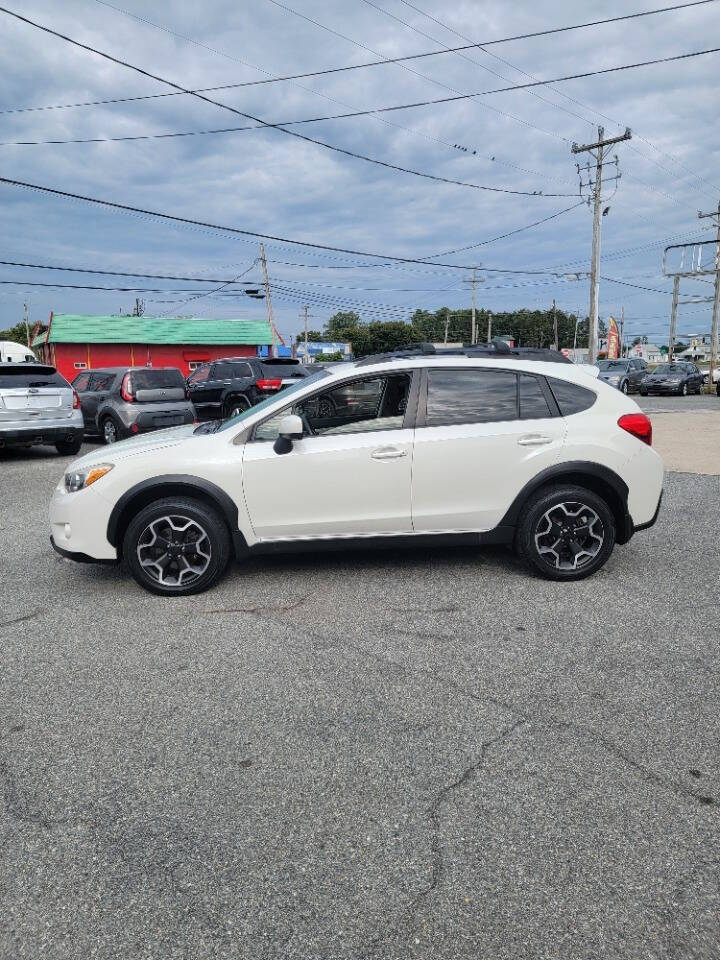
613	342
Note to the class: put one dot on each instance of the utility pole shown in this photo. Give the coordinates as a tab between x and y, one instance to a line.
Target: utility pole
447	324
716	299
673	316
306	357
489	338
27	325
555	330
473	329
268	301
597	150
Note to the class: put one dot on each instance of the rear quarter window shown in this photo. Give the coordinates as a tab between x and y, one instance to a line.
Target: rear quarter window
571	397
157	379
12	378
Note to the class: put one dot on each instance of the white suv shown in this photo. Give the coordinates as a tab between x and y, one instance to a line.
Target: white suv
412	447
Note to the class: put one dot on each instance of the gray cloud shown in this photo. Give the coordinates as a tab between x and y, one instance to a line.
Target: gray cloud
272	183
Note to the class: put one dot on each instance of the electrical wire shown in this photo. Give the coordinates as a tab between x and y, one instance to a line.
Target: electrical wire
114	205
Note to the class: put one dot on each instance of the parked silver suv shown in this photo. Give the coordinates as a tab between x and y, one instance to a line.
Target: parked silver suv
38	405
118	402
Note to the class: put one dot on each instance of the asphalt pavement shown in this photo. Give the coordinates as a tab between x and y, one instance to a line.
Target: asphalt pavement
384	756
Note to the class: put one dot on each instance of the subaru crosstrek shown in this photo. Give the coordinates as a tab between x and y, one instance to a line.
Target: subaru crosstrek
415	448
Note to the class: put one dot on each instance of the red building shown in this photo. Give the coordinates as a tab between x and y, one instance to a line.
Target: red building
75	342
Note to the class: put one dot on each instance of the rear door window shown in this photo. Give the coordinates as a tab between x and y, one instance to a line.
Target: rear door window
82	382
101	382
470	396
571	397
23	377
157	379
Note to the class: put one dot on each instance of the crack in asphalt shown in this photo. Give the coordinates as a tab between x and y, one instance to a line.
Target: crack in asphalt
435	809
27	616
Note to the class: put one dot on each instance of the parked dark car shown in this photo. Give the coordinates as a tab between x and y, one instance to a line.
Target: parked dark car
224	388
680	378
625	375
118	402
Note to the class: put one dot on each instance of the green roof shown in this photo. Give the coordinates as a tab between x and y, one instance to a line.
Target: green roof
76	328
40	338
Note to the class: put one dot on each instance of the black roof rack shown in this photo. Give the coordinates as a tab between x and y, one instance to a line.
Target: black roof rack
497	348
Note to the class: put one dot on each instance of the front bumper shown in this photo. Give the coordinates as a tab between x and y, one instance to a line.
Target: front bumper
78	525
19	432
78	557
661	388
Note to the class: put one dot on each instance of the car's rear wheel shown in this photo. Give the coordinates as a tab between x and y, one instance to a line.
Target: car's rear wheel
566	532
236	406
643	393
177	546
67	447
684	390
109	430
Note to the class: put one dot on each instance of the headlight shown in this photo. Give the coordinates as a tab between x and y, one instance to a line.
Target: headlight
614	379
83	478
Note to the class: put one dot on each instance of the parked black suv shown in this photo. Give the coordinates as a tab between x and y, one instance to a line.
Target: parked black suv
118	402
224	388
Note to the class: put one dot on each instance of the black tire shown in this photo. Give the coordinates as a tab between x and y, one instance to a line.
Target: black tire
147	527
625	387
643	393
683	391
235	405
717	388
109	430
67	447
576	504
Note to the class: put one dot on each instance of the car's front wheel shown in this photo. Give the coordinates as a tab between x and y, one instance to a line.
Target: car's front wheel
177	546
625	387
565	532
683	390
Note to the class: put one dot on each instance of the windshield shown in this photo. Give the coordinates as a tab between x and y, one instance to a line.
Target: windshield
613	364
271	401
670	368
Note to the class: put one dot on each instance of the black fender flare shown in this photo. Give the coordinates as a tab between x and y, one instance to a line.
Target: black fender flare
595	476
174	483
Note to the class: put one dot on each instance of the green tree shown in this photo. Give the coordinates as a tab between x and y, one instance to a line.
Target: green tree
340	324
15	334
314	336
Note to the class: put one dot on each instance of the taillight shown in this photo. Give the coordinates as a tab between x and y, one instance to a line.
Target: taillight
268	384
76	401
126	389
638	425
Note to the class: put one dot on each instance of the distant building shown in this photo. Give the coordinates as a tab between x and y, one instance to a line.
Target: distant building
649	352
76	342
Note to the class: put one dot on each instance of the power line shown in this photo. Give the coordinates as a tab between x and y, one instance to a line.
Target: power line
246	233
432	102
282	129
510	233
120	273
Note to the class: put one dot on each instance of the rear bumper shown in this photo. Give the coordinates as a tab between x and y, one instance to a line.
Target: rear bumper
653	520
145	421
41	431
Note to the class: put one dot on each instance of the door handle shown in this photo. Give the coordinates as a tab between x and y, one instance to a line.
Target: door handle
534	441
388	453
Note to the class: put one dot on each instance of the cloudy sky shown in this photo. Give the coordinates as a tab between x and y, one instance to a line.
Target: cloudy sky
269	182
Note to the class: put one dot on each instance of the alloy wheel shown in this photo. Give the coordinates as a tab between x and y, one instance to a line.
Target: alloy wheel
174	551
569	535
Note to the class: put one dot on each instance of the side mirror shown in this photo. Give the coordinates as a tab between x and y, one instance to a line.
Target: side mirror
290	428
